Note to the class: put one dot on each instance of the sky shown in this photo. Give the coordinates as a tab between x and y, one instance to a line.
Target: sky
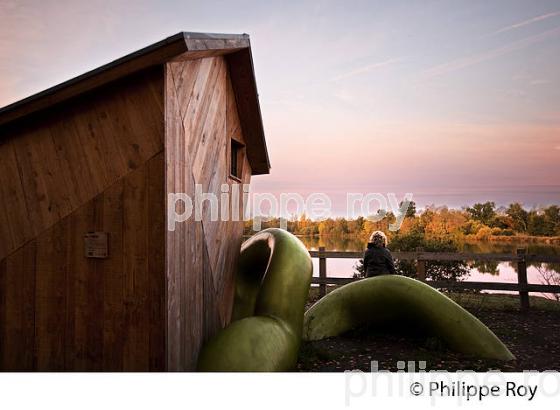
453	101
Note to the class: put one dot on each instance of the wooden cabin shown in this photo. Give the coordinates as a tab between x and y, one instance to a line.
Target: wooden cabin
91	279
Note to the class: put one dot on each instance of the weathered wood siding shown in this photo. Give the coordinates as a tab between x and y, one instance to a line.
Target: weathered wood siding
201	256
55	161
105	161
94	164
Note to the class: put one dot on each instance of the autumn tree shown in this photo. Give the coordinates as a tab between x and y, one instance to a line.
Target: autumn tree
484	213
519	217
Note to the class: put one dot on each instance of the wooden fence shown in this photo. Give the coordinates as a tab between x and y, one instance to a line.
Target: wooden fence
521	258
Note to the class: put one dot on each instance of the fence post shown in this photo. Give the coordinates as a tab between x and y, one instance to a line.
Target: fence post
522	278
420	267
322	271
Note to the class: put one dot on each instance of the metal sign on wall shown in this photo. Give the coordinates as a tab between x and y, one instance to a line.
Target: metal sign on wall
96	245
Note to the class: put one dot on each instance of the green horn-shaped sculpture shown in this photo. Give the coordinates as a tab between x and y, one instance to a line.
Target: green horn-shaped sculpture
272	286
391	299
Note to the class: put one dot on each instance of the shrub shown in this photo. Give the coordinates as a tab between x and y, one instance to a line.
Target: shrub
484	233
507	232
496	231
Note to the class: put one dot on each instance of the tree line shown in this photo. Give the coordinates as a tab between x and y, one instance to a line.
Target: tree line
482	221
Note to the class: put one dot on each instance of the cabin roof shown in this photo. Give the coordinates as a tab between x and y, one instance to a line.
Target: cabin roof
235	47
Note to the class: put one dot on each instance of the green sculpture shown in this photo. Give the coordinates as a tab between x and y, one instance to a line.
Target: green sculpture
271	289
390	299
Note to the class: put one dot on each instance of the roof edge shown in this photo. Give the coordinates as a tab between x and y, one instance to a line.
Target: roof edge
236	46
249	110
146	57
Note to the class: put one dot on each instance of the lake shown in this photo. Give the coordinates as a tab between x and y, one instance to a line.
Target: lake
479	272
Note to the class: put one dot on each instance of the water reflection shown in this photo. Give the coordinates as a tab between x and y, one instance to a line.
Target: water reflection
480	270
333	243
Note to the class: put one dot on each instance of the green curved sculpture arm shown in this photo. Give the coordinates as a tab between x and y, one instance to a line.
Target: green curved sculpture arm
389	299
271	288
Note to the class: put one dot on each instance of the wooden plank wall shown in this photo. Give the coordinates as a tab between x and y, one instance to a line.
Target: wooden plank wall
53	162
62	311
94	165
201	117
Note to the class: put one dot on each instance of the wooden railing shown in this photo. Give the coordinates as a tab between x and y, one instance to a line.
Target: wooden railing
521	258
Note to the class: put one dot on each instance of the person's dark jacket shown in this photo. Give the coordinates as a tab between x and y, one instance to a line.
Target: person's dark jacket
378	261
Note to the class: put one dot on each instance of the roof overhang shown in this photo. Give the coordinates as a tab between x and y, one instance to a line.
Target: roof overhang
236	48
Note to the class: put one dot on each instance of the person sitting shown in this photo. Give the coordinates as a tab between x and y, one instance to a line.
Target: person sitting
377	258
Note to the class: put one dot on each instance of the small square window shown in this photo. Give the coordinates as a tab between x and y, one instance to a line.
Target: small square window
236	159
